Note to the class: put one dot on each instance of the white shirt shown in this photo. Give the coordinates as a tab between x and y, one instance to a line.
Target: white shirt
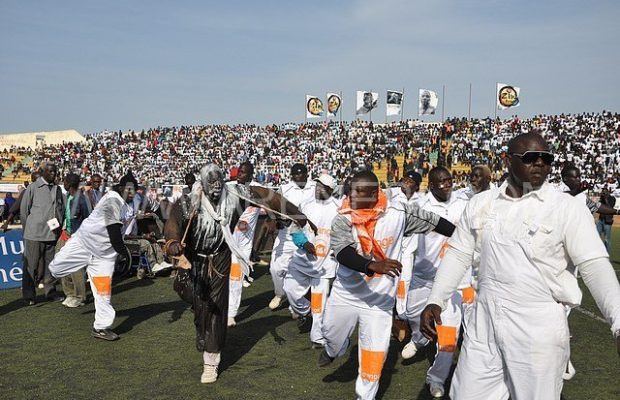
432	246
321	213
410	243
556	227
295	195
93	233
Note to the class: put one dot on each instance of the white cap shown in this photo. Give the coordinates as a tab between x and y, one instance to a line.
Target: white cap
327	181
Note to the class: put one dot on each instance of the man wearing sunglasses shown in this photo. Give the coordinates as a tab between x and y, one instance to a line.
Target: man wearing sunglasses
528	235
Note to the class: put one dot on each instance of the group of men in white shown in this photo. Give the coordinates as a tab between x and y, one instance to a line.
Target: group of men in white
505	279
496	264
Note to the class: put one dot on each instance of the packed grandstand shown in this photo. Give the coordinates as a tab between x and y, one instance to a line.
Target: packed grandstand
162	155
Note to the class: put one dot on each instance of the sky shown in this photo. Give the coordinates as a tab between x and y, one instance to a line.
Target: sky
93	65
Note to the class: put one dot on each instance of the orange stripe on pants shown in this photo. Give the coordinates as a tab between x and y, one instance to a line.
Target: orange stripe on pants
235	272
103	284
316	302
446	338
400	293
469	295
372	364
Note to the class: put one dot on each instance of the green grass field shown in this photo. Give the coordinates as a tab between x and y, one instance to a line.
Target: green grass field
46	352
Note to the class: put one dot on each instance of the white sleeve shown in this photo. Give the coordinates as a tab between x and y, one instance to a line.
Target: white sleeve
601	280
449	274
455	263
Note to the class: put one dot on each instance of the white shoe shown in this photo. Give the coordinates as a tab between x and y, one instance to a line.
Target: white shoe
436	390
409	351
569	373
246	283
161	266
231	321
209	374
275	302
66	301
74	302
41	286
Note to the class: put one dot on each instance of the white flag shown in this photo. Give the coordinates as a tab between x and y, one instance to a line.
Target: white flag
427	102
314	107
366	101
334	101
507	96
393	103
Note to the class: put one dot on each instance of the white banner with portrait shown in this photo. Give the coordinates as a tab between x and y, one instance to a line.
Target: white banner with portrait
314	107
427	102
366	101
334	102
507	96
393	103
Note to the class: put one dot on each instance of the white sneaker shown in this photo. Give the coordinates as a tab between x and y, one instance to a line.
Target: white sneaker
231	321
66	301
41	286
275	302
245	283
409	351
209	374
436	390
569	373
74	302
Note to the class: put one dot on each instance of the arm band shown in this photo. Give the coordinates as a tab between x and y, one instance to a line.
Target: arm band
445	227
353	260
116	238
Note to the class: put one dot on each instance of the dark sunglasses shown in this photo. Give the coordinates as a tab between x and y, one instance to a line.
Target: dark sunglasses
530	157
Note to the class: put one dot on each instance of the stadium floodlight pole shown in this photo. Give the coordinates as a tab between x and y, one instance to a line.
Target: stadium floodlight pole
443	102
469	108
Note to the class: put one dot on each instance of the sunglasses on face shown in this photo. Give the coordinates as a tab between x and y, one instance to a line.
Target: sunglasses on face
530	157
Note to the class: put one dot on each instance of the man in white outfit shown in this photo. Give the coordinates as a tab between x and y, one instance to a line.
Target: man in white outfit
527	233
407	193
443	201
313	264
244	236
296	191
96	245
367	238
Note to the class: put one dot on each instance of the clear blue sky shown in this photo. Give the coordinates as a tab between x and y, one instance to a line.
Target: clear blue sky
94	65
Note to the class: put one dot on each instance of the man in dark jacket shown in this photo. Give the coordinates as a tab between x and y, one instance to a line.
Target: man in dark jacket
605	221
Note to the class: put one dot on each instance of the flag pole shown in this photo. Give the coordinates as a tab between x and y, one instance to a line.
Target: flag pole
469	108
443	102
340	108
305	112
495	99
402	106
370	112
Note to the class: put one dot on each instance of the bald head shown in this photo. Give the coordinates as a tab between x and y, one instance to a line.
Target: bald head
525	141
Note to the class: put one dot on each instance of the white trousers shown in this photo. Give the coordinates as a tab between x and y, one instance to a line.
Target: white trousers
374	333
513	352
296	285
403	286
72	257
451	319
278	269
235	287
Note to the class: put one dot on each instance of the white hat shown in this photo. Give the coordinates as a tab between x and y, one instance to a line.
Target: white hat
327	181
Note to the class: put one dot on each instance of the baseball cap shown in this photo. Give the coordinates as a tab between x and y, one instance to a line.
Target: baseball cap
328	181
411	174
299	169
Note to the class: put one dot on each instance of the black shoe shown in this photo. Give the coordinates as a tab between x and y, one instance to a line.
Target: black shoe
325	359
55	297
304	323
29	302
105	334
